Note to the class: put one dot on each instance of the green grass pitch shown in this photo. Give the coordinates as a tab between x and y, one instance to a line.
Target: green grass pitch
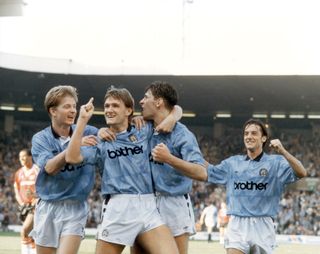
10	244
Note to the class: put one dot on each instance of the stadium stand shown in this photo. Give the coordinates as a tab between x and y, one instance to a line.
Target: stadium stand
300	204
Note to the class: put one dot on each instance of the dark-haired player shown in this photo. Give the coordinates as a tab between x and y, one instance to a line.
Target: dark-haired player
254	184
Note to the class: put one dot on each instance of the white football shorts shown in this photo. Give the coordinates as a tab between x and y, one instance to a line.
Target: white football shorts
177	213
54	219
254	235
125	216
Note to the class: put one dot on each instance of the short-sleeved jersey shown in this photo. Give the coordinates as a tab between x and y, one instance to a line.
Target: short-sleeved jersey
71	182
24	182
124	162
182	144
254	187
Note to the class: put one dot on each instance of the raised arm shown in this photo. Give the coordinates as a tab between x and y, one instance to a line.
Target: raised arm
295	164
195	171
73	153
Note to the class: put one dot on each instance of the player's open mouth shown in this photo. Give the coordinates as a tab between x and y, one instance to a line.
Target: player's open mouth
71	118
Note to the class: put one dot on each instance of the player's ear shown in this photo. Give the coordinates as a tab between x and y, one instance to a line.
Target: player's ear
129	111
52	111
264	139
159	102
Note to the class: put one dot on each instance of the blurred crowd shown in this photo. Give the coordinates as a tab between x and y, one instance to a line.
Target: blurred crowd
299	213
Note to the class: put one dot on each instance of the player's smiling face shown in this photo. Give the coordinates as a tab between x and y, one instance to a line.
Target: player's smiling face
148	105
65	112
253	138
116	113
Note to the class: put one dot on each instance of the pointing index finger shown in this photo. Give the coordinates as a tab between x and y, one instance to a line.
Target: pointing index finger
91	100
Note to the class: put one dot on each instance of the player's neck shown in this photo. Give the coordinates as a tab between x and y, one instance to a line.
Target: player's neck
62	130
28	166
117	128
252	154
160	116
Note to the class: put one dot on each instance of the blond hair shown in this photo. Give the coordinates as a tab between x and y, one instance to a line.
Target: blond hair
57	93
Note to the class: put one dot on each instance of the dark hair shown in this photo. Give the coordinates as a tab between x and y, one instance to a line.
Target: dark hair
27	151
123	95
162	89
259	123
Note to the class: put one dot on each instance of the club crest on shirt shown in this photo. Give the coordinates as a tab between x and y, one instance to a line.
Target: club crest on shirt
105	233
133	138
263	172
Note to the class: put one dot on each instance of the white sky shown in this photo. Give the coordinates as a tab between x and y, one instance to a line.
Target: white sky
180	37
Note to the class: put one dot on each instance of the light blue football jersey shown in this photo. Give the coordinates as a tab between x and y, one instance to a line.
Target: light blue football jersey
182	144
254	187
125	162
71	182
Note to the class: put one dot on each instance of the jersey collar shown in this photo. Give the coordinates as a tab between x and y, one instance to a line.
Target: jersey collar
57	136
258	158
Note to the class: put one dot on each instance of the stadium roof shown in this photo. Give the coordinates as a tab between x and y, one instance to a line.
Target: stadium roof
206	96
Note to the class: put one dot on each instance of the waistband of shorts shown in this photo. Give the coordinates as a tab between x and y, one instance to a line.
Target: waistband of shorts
138	196
158	194
255	218
64	201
